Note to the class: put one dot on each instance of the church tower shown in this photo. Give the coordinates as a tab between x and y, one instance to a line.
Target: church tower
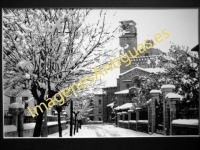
128	40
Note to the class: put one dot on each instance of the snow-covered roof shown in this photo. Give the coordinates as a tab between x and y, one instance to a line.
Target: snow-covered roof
173	95
111	104
16	105
155	91
130	110
10	128
186	121
124	106
100	92
126	80
150	70
168	86
149	101
123	92
124	112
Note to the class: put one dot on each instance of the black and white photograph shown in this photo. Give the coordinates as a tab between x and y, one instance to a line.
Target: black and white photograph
100	72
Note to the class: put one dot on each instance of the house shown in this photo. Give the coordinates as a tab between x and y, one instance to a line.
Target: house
96	105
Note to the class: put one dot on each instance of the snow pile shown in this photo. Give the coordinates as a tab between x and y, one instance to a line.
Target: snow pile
29	126
186	121
10	128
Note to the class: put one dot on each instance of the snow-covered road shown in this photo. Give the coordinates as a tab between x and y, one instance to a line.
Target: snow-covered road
100	130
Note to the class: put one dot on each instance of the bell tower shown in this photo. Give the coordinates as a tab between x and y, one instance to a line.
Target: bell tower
128	40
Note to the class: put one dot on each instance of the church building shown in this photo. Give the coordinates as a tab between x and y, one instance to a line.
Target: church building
151	61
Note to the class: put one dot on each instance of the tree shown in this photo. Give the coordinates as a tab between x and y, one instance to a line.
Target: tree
45	49
181	71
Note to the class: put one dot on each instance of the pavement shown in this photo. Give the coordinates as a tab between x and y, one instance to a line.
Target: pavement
101	131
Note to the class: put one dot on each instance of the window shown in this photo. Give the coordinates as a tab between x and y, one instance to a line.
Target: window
99	110
100	102
25	101
127	85
12	100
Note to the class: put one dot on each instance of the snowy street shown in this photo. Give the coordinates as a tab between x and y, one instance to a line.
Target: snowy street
100	130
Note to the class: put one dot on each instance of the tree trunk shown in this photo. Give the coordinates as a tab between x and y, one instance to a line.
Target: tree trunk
59	108
80	123
75	124
38	125
71	118
34	90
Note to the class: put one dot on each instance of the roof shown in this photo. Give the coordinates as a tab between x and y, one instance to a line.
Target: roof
173	95
123	92
150	70
168	86
99	92
196	48
124	106
111	104
155	91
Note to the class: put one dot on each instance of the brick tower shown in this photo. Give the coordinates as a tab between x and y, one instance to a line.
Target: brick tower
128	39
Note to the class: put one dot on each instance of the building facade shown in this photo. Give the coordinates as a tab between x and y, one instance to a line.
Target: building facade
108	97
96	105
152	60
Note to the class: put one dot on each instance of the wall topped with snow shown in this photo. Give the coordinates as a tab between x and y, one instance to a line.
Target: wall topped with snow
10	128
168	86
155	91
186	122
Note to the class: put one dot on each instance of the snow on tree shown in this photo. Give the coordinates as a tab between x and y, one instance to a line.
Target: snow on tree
45	46
182	72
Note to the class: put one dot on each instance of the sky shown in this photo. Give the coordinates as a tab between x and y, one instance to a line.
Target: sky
181	24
